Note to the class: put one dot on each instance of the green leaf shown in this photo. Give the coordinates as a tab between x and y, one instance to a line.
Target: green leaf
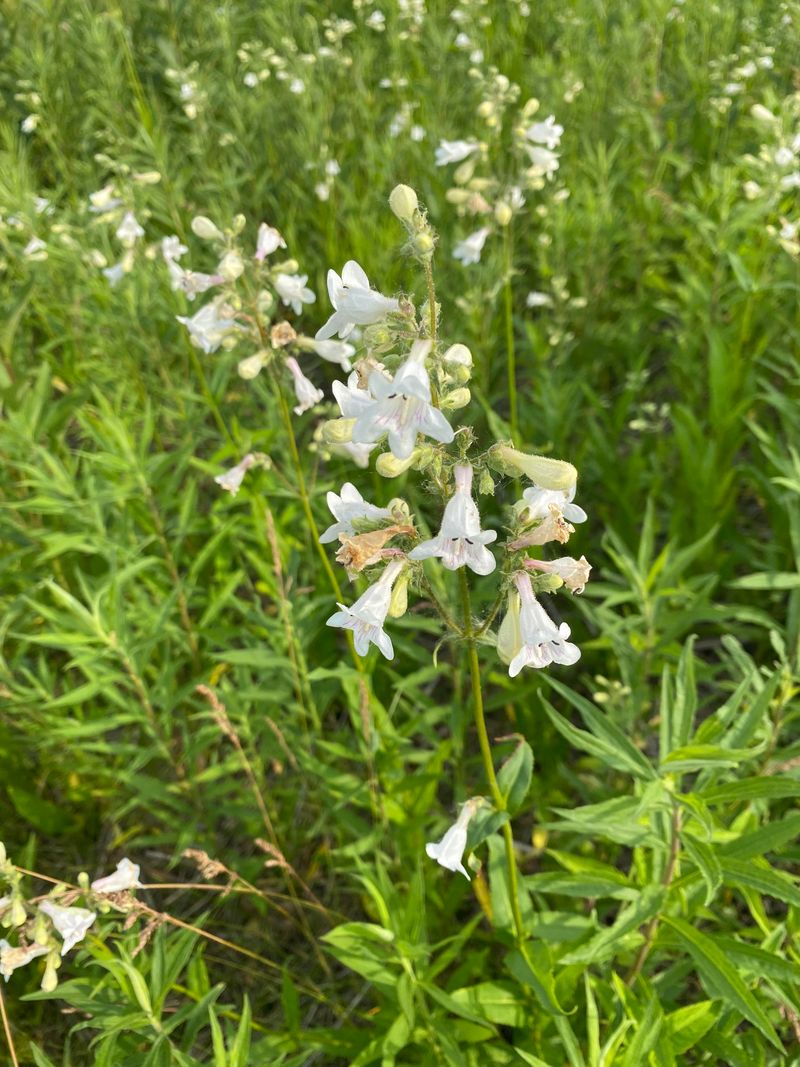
721	977
696	757
647	1030
767	787
607	941
534	969
762	878
686	1026
514	777
767	580
705	859
603	749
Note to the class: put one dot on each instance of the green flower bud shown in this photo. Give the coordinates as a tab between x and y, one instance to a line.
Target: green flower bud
542	470
486	483
238	224
250	367
503	213
423	244
388	466
205	228
338	431
403	202
398	605
18	915
458	398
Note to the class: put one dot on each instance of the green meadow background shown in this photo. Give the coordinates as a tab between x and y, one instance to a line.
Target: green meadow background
669	377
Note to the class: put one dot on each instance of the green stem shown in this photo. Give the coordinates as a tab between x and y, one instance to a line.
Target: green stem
428	266
207	394
486	753
511	360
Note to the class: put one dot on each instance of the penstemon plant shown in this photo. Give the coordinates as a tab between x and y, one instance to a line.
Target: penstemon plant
405	380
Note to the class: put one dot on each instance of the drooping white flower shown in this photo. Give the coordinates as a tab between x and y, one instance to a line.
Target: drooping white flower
11	958
460	541
172	248
354	302
367	616
209	326
401	407
538	300
268	241
115	273
454	152
71	923
538	502
348	506
104	199
306	392
192	282
449	852
231	481
574	573
333	351
293	291
35	249
469	250
129	231
29	123
547	133
543	159
541	641
126	876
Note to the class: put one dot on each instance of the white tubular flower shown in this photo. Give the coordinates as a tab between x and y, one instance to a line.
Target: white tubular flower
358	453
449	852
538	502
306	392
469	250
351	398
348	506
460	541
11	959
354	302
35	249
454	152
125	877
333	351
209	326
541	641
172	248
547	133
401	407
71	923
191	282
231	481
103	200
367	616
574	573
129	231
269	240
545	161
293	291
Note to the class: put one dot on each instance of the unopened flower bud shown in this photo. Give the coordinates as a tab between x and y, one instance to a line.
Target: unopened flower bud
251	367
503	213
147	177
231	266
530	108
238	224
403	202
205	228
388	466
485	109
458	355
50	977
546	583
18	914
464	172
762	114
457	196
458	398
338	431
398	605
423	244
486	483
401	513
542	470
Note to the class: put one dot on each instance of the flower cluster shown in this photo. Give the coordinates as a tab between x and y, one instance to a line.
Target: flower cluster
399	394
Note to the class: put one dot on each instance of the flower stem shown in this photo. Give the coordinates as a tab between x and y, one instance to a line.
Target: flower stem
428	266
511	361
7	1030
669	873
486	753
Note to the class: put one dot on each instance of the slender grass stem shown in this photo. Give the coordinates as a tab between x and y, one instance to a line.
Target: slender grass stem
511	359
486	753
669	873
7	1031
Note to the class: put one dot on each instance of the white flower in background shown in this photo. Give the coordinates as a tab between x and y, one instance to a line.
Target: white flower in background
292	290
574	573
11	959
454	151
191	282
359	454
547	133
209	326
41	205
35	250
115	274
269	240
460	541
250	79
231	481
367	616
354	302
104	199
417	132
376	21
543	160
449	852
791	181
333	351
348	506
297	86
29	123
783	156
172	248
231	266
71	923
539	642
322	191
126	876
401	407
469	250
306	392
538	502
538	300
129	231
